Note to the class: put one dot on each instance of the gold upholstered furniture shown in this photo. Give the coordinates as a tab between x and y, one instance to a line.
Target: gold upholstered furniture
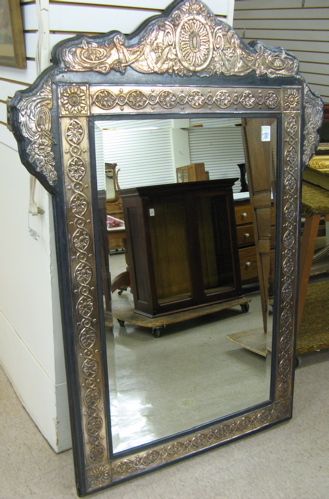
315	206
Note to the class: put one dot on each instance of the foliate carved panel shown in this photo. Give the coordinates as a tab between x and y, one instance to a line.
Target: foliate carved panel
99	476
74	100
144	99
35	125
83	276
313	121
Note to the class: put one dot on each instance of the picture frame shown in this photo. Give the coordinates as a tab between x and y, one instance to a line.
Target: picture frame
12	47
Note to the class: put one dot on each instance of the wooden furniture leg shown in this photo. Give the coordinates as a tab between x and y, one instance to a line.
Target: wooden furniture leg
310	233
121	282
258	160
106	281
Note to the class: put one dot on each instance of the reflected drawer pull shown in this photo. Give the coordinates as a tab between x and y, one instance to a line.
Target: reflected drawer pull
247	235
248	264
244	215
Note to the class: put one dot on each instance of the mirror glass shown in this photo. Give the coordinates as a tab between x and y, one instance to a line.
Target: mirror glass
188	365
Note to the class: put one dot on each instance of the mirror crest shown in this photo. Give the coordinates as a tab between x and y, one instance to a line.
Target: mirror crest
190	40
184	62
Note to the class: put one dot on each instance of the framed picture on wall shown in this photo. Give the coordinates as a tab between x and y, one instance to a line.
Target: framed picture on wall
12	48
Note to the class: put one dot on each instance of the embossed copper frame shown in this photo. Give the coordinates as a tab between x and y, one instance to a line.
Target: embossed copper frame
184	62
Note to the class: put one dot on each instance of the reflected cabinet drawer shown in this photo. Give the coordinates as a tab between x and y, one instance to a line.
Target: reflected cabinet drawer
243	213
245	234
248	263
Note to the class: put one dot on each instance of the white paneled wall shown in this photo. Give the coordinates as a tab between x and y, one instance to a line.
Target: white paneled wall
300	26
30	332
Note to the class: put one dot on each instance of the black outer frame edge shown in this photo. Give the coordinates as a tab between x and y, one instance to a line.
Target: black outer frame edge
67	315
71	366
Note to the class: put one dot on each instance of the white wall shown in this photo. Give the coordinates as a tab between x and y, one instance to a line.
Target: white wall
30	330
300	26
30	333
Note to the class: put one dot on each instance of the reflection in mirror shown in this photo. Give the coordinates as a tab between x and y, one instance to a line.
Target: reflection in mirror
112	185
201	250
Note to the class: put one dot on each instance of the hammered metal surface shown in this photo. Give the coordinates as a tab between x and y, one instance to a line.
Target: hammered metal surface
35	125
147	99
77	185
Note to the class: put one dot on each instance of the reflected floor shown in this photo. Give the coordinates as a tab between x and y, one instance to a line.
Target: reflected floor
191	375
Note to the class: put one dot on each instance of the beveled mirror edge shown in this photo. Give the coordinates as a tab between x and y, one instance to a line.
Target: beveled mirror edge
35	119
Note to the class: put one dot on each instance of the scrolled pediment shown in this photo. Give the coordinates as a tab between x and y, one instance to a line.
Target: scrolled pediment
190	40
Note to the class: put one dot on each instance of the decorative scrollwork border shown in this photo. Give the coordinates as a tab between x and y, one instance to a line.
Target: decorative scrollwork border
77	182
189	41
35	125
74	132
143	99
292	102
145	461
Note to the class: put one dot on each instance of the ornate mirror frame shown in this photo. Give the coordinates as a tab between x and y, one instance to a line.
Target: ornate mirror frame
183	62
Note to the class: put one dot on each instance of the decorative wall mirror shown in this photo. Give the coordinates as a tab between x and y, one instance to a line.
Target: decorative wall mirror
136	402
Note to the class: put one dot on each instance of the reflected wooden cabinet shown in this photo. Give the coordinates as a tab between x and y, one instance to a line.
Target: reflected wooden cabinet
114	208
182	245
116	236
191	173
246	241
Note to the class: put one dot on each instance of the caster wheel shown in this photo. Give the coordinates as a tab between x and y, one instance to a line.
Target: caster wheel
157	331
244	308
298	361
121	323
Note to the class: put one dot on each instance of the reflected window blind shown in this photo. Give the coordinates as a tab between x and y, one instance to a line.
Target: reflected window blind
144	156
220	149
